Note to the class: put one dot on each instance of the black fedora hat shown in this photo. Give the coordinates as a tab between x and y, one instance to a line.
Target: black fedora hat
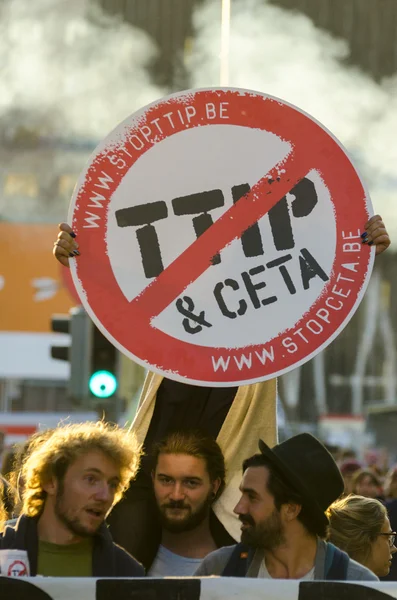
306	465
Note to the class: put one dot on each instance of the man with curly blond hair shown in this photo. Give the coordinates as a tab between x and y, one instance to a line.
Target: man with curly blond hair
72	480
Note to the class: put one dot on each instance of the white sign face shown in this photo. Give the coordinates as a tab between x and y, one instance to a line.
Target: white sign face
220	237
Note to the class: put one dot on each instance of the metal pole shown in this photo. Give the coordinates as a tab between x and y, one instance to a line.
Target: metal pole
225	43
3	396
320	388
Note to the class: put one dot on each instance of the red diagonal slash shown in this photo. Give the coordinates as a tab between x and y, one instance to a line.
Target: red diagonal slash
231	225
130	324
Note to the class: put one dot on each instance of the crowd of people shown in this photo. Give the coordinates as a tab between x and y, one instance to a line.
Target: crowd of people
370	497
196	486
296	516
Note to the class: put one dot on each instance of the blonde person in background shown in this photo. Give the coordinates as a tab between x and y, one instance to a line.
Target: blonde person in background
360	526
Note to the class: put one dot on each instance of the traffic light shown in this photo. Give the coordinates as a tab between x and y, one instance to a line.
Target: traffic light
103	370
80	352
92	357
60	324
78	325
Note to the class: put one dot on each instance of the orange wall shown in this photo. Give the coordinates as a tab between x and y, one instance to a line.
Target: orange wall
25	256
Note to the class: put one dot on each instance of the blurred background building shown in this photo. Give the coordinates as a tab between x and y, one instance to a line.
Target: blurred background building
73	69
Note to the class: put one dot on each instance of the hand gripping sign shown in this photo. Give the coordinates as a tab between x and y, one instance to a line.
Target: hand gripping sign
219	232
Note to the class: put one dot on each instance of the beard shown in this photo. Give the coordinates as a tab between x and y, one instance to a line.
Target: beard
72	522
191	520
267	535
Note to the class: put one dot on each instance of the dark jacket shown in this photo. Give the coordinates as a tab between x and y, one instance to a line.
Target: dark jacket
108	559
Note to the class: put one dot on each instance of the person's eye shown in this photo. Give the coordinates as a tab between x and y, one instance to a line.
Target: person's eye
165	480
90	479
191	483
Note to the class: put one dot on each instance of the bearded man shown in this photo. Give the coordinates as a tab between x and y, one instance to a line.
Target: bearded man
285	492
188	476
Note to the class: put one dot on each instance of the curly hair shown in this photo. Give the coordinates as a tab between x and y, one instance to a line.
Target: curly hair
18	456
3	512
354	524
8	501
53	456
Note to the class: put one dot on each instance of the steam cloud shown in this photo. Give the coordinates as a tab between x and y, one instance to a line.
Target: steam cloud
73	67
70	72
282	53
70	75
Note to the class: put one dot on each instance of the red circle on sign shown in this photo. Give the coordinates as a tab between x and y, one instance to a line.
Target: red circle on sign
129	323
21	569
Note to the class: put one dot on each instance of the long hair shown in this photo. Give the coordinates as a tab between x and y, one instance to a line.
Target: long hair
200	445
8	500
53	456
16	459
355	523
3	512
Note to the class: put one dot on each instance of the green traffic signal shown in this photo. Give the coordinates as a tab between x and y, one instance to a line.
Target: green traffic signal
102	384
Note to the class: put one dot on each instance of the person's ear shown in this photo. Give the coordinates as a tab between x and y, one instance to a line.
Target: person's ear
290	511
216	484
51	487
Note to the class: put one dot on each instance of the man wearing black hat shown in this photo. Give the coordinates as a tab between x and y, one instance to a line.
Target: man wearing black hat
285	493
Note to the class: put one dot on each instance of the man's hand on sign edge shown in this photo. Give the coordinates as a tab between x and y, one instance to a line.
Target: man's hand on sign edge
375	234
65	245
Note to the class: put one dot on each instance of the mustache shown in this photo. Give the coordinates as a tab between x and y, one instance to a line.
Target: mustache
247	519
175	504
99	508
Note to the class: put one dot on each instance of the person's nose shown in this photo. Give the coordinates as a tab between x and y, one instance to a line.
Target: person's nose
393	549
177	492
103	493
239	509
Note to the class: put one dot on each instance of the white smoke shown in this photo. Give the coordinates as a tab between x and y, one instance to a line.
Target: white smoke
69	75
282	53
70	68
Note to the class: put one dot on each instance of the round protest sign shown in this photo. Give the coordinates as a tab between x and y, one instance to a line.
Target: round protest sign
219	232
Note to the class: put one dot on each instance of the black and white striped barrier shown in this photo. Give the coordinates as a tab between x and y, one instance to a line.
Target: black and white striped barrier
208	588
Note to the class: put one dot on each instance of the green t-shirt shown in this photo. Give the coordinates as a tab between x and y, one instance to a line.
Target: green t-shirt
72	560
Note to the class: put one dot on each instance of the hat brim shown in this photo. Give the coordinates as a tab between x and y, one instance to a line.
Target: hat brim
295	482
